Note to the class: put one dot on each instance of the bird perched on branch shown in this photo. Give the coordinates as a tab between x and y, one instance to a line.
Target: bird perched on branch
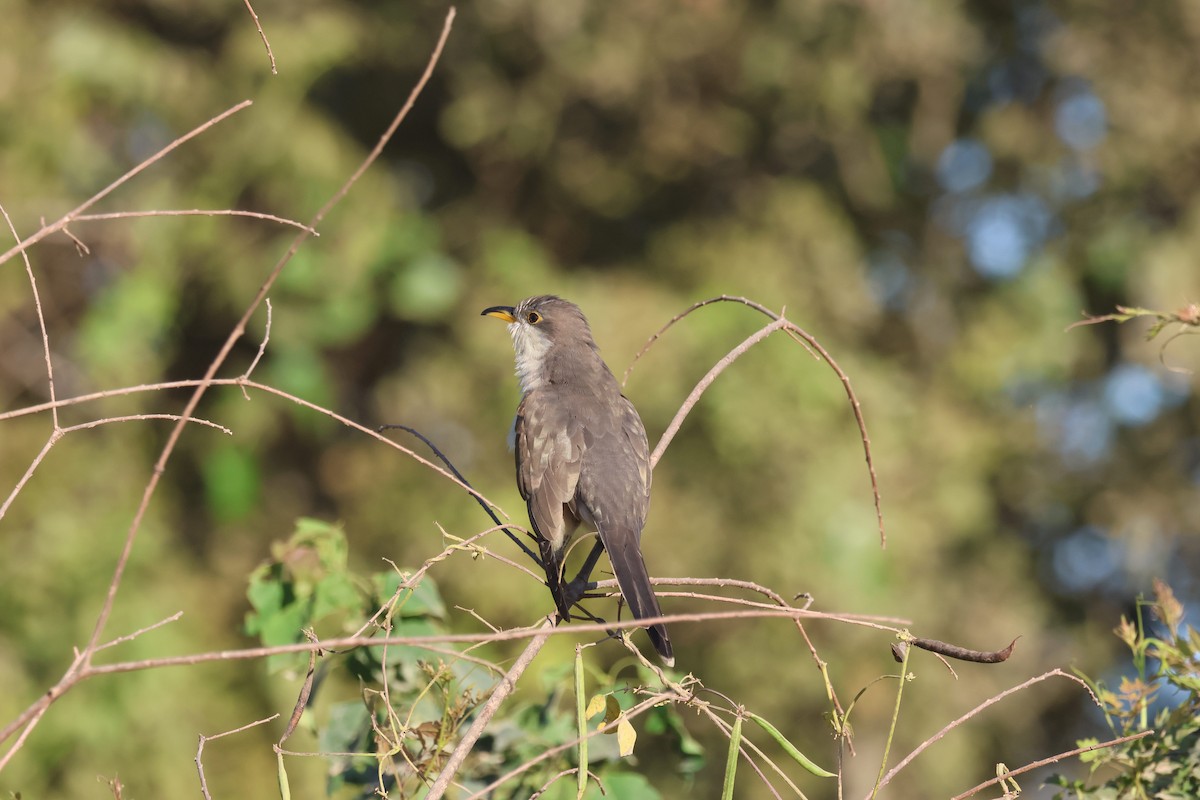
582	455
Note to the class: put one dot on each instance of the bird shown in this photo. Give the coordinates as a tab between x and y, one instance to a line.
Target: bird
581	455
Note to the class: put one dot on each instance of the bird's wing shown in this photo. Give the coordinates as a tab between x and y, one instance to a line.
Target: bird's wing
614	488
634	433
615	481
549	447
549	450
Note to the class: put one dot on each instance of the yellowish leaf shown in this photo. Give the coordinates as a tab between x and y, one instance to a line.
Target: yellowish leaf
626	736
594	706
612	709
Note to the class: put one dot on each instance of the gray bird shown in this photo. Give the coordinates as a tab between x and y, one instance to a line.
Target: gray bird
582	455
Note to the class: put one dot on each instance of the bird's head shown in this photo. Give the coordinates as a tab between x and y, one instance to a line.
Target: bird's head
550	335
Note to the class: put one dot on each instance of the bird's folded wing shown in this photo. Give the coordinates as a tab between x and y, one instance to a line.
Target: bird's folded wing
549	451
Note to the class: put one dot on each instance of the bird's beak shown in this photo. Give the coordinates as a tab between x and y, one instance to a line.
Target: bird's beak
500	312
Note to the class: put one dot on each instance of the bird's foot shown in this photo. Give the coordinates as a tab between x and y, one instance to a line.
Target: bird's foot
577	590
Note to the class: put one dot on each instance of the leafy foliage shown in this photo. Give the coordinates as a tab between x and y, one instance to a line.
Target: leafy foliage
1165	695
412	700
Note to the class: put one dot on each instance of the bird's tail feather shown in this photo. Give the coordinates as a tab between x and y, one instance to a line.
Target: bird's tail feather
634	580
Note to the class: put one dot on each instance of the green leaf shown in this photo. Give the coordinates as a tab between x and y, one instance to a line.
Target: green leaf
336	593
731	759
345	728
265	591
423	600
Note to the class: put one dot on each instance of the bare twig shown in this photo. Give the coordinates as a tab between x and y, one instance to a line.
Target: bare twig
1051	760
131	636
194	212
706	381
81	249
242	382
972	713
205	739
59	433
37	305
24	479
499	694
813	346
559	776
461	479
725	298
66	219
96	423
507	635
262	36
262	347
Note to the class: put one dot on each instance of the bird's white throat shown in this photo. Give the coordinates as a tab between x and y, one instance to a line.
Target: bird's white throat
530	345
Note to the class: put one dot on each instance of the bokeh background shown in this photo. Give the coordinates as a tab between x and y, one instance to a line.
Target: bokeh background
935	190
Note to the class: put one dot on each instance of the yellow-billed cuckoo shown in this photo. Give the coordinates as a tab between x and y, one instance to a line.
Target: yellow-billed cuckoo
582	454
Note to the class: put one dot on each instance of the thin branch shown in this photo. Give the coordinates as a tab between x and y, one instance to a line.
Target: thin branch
262	347
205	739
195	212
450	466
28	720
242	382
262	36
131	636
970	714
507	635
706	381
499	694
96	423
1051	760
59	433
29	724
81	249
569	771
813	346
37	305
24	479
70	216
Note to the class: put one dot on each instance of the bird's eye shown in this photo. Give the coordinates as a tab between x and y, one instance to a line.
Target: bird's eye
533	318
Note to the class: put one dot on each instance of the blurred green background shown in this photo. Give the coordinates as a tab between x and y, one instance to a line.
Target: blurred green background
935	190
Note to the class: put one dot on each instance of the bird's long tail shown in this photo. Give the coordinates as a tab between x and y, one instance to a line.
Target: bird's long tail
634	581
